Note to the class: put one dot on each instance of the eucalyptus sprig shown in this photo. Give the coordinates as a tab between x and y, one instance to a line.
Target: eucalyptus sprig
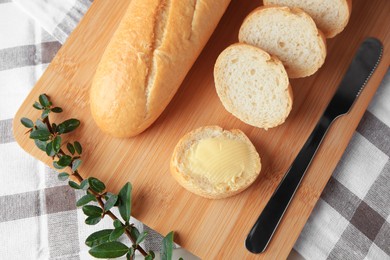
104	243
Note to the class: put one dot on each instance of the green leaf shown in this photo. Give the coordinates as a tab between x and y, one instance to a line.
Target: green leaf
131	252
134	232
141	237
75	164
57	144
116	233
84	185
57	166
56	110
40	134
27	122
85	200
125	201
63	176
167	247
78	147
108	195
96	185
110	202
74	185
91	210
44	100
93	220
41	125
151	253
98	237
38	106
65	160
117	223
40	144
70	148
45	113
109	250
49	149
68	126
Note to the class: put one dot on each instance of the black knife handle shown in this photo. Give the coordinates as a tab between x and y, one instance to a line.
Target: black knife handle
265	226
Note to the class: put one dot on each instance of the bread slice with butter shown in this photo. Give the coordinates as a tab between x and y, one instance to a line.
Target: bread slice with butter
331	16
215	163
253	85
289	34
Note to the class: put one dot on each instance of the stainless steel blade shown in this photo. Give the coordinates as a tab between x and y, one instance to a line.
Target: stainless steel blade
359	71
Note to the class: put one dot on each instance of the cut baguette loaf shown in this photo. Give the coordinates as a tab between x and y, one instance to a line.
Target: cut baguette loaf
253	85
289	34
201	181
331	16
148	57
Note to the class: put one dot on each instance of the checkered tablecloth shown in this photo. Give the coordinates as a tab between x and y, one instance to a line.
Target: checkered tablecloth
38	217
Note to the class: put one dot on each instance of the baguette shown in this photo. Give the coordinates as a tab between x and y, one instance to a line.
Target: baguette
147	59
253	86
289	34
195	165
331	16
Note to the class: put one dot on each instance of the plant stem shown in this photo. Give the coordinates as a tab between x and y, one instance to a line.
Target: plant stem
47	122
109	213
98	197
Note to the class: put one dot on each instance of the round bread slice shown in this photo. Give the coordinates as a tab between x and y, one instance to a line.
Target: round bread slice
215	163
289	34
253	85
331	16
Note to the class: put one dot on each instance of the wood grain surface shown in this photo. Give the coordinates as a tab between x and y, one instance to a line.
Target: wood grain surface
211	229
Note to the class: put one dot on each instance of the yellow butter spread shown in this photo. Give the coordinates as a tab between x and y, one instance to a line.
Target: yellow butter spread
221	160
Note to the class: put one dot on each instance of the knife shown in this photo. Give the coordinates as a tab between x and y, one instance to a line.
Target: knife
359	72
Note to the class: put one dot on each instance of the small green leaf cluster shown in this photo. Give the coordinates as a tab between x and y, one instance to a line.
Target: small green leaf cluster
104	243
97	202
46	106
95	189
47	137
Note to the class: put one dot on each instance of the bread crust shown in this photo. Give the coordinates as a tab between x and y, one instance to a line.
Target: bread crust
349	4
147	59
187	182
221	90
335	30
292	72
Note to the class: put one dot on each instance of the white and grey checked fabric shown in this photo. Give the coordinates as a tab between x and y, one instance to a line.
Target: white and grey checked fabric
38	217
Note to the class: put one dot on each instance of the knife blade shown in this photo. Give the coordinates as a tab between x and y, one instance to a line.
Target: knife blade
359	72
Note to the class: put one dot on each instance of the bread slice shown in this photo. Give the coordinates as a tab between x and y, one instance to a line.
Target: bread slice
331	16
253	85
289	34
205	180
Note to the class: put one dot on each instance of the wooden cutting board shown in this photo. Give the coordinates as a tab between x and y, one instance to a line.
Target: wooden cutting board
211	229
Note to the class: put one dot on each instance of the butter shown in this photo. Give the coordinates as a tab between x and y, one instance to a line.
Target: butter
222	160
